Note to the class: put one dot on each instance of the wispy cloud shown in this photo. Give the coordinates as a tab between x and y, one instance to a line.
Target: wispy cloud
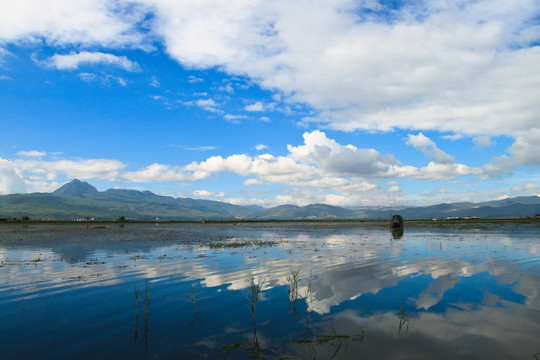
201	148
193	79
32	153
155	83
104	79
205	193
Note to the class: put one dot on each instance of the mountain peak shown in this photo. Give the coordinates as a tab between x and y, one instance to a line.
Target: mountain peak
75	188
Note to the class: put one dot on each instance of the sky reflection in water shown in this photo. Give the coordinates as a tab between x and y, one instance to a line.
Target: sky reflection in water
67	291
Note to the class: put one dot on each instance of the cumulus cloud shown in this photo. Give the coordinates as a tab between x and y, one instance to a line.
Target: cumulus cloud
257	106
526	148
523	152
207	104
429	149
319	163
343	175
347	160
11	179
74	60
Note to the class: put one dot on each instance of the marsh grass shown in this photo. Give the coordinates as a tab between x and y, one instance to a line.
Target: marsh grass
241	244
253	298
334	339
146	299
292	291
255	351
193	299
253	347
403	317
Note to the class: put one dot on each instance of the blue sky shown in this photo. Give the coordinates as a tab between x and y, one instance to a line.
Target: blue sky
349	103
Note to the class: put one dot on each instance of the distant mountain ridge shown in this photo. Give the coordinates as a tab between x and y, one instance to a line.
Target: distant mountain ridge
80	200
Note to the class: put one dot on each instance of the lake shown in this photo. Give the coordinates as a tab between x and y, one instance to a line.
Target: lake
319	290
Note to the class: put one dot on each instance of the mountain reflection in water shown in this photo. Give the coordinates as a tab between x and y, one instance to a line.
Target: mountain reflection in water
182	290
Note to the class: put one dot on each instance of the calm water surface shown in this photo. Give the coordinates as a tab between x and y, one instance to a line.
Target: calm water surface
339	290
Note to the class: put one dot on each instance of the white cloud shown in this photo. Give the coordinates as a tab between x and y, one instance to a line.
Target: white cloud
440	72
526	148
39	175
3	53
201	148
227	88
155	83
523	152
453	137
205	193
32	153
159	173
207	104
260	147
193	79
318	171
80	169
88	77
257	106
483	141
11	179
347	160
250	182
438	66
234	118
74	60
429	149
105	80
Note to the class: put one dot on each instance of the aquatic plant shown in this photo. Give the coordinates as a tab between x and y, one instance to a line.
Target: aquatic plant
292	291
333	339
193	298
241	244
403	317
146	299
253	297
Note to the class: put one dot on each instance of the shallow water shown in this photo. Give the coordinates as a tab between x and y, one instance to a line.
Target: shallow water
183	291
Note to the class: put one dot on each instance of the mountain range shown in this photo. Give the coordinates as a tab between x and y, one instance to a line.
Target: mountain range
80	200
